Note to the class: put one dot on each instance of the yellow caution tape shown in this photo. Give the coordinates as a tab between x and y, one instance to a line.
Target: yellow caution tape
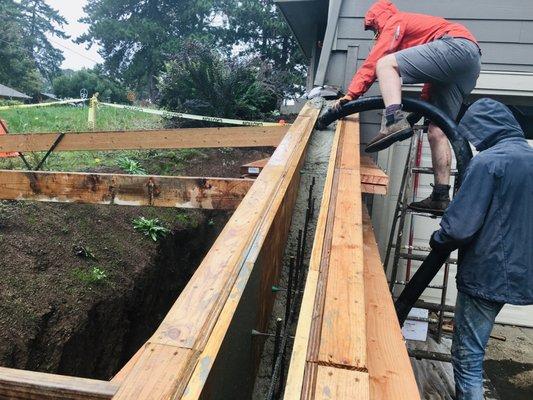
55	103
171	114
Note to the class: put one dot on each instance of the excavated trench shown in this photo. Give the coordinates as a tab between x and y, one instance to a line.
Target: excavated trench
53	322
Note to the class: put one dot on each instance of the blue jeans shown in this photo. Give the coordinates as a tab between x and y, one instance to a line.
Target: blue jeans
474	319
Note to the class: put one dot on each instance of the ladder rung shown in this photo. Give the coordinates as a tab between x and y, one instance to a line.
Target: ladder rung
422	214
422	257
403	283
429	170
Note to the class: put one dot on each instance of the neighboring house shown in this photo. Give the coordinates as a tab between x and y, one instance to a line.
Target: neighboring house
332	36
11	94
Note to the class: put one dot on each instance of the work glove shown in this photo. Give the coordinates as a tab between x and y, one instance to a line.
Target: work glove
342	101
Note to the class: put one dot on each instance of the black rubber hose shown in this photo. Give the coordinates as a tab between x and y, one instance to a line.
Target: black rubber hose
460	146
418	283
463	154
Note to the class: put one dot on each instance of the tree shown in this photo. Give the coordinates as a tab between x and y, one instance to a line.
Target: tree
256	27
39	21
201	81
17	69
136	38
70	85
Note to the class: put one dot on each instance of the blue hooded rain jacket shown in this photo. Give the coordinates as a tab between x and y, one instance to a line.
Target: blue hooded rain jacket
491	217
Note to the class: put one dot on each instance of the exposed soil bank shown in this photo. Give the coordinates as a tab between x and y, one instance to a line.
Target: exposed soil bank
55	316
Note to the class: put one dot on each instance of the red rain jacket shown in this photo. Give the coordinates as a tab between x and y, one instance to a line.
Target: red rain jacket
398	31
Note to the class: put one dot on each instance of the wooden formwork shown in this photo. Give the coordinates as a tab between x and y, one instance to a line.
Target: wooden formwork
204	347
348	343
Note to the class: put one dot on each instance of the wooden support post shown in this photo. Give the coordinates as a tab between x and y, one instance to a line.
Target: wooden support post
132	190
18	384
247	136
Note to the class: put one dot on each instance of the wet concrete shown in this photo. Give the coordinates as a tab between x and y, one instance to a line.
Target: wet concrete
315	165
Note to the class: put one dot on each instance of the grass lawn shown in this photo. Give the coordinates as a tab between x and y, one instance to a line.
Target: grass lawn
74	119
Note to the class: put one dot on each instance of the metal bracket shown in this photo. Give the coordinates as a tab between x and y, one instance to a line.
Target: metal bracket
50	150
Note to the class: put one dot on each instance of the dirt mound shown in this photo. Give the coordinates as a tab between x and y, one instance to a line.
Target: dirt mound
81	289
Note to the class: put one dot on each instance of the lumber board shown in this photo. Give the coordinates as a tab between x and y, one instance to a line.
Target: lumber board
373	179
20	384
247	136
336	383
389	367
371	173
196	321
295	376
329	358
131	190
161	375
343	330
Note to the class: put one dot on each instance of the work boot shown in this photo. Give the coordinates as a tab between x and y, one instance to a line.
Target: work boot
397	130
436	203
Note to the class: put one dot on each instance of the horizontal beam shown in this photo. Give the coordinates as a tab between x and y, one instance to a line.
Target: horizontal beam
131	190
247	136
19	384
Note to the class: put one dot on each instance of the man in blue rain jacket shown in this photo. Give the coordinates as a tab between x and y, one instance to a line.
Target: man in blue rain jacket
491	221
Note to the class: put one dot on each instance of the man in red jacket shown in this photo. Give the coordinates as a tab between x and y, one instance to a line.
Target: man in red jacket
417	48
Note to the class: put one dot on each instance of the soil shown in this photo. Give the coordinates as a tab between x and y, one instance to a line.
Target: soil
81	289
509	363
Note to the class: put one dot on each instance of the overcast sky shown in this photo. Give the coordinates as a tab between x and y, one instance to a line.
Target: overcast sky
76	56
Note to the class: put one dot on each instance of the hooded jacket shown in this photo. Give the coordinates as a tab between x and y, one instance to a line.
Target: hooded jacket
491	217
397	31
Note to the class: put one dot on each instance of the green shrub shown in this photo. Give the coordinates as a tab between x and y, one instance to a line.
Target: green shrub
201	81
94	276
150	227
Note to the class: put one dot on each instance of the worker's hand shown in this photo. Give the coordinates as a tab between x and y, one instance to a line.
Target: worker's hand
441	247
342	101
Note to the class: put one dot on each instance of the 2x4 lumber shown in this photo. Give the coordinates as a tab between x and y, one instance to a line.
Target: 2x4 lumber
373	179
191	322
248	136
343	331
389	367
19	384
132	190
295	375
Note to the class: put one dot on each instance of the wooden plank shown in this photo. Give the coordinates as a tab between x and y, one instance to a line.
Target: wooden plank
192	319
295	377
336	383
371	172
389	367
343	331
161	375
373	189
132	190
19	384
247	136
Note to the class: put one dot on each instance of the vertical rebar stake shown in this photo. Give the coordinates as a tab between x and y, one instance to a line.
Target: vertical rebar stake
277	342
298	257
289	291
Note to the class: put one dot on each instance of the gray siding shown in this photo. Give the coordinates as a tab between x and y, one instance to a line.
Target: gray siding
504	30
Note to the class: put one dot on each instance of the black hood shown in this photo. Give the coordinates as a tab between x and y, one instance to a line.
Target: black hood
488	121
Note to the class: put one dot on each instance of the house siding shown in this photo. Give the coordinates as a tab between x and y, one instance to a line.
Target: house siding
505	34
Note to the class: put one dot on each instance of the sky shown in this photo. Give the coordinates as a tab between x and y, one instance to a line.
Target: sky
76	56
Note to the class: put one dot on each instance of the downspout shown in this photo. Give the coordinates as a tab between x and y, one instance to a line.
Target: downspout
327	44
463	154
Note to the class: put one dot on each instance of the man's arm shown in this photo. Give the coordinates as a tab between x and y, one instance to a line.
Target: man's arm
466	214
387	43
